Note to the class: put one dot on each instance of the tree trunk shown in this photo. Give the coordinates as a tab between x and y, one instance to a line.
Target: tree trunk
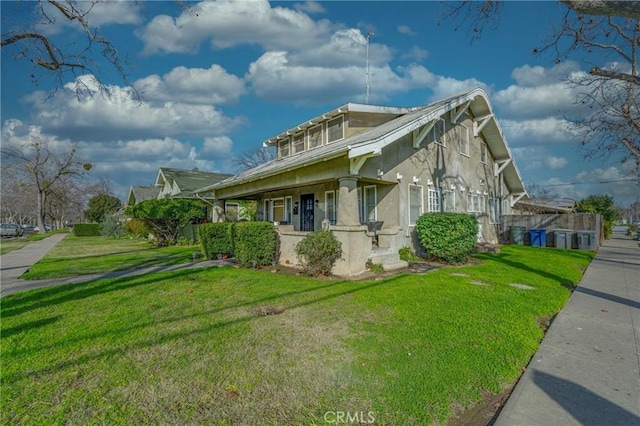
42	196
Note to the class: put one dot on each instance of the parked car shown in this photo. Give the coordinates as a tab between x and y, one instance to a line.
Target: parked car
28	229
10	230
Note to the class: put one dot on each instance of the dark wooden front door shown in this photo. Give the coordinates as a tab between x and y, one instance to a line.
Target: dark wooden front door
306	214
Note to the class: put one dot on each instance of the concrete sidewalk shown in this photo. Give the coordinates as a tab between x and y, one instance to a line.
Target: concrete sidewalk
587	369
17	262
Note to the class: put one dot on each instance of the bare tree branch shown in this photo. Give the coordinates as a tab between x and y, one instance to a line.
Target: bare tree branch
633	79
626	9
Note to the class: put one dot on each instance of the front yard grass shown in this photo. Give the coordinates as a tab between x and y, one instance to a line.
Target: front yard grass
233	346
10	244
75	256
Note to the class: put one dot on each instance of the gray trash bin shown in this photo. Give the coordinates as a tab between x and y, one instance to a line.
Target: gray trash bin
516	234
562	238
587	240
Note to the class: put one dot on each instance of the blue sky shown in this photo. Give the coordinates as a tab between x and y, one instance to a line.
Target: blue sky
221	77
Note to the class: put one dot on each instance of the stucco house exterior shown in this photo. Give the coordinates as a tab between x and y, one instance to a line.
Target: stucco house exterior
368	172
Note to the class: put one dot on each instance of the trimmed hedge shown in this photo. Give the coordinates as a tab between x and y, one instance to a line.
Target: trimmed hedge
86	230
215	239
254	243
318	252
448	237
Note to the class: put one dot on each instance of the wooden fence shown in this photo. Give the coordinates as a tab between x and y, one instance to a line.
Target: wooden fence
575	222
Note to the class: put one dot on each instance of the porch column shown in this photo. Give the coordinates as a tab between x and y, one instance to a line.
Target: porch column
217	211
348	201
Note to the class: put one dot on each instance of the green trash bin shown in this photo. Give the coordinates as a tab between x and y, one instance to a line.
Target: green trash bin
516	235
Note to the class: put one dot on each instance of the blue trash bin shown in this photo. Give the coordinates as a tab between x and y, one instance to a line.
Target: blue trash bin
538	237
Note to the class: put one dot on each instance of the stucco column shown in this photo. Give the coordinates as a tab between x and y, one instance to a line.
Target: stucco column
217	211
348	202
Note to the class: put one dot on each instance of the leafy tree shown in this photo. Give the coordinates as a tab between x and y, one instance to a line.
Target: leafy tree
602	205
610	95
101	206
43	170
168	216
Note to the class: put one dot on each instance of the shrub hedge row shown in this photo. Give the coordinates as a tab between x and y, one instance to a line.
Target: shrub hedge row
253	244
86	230
448	237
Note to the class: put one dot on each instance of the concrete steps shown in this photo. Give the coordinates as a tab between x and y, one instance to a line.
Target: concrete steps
389	259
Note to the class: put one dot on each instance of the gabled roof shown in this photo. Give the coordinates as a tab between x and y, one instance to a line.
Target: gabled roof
372	141
142	193
188	181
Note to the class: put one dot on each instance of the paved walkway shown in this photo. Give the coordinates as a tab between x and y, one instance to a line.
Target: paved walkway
587	369
17	262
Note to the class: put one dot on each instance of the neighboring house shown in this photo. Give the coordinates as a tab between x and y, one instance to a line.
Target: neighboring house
548	206
359	166
182	183
138	194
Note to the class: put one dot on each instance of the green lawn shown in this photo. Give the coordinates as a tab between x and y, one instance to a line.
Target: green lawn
90	255
233	346
11	244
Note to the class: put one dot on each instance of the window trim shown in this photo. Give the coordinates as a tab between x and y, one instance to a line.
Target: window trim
340	117
421	203
334	207
464	130
494	212
293	143
438	195
365	216
484	149
288	209
288	142
321	126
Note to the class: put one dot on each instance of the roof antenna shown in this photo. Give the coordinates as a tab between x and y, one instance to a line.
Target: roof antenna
366	88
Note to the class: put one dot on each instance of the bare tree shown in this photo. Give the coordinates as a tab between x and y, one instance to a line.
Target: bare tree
609	94
42	169
31	40
252	158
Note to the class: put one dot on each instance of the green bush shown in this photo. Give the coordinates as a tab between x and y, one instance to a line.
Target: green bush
138	228
254	243
376	268
86	230
632	229
448	237
215	239
607	229
408	255
111	227
318	252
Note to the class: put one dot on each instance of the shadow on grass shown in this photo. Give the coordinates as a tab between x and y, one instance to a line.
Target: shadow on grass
10	331
505	258
353	287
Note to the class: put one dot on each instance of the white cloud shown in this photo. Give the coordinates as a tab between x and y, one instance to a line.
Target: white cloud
98	14
310	7
94	117
417	53
405	29
192	86
535	132
556	162
217	147
228	24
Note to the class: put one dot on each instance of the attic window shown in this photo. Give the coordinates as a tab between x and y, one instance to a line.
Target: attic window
483	153
283	148
315	136
463	134
335	129
298	143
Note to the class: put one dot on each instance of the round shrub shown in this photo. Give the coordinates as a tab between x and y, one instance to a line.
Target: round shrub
318	252
448	237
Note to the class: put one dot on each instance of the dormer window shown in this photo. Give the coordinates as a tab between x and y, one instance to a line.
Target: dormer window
298	143
335	129
315	136
283	148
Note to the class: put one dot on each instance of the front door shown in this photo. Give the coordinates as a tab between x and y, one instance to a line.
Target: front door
306	214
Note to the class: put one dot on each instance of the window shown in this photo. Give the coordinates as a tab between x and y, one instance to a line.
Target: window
439	130
449	201
232	211
463	135
335	129
483	153
330	206
475	203
288	203
415	203
494	209
283	148
277	207
315	136
298	143
360	205
434	200
267	211
370	202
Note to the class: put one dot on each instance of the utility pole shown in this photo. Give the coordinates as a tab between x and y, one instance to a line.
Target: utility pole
366	88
